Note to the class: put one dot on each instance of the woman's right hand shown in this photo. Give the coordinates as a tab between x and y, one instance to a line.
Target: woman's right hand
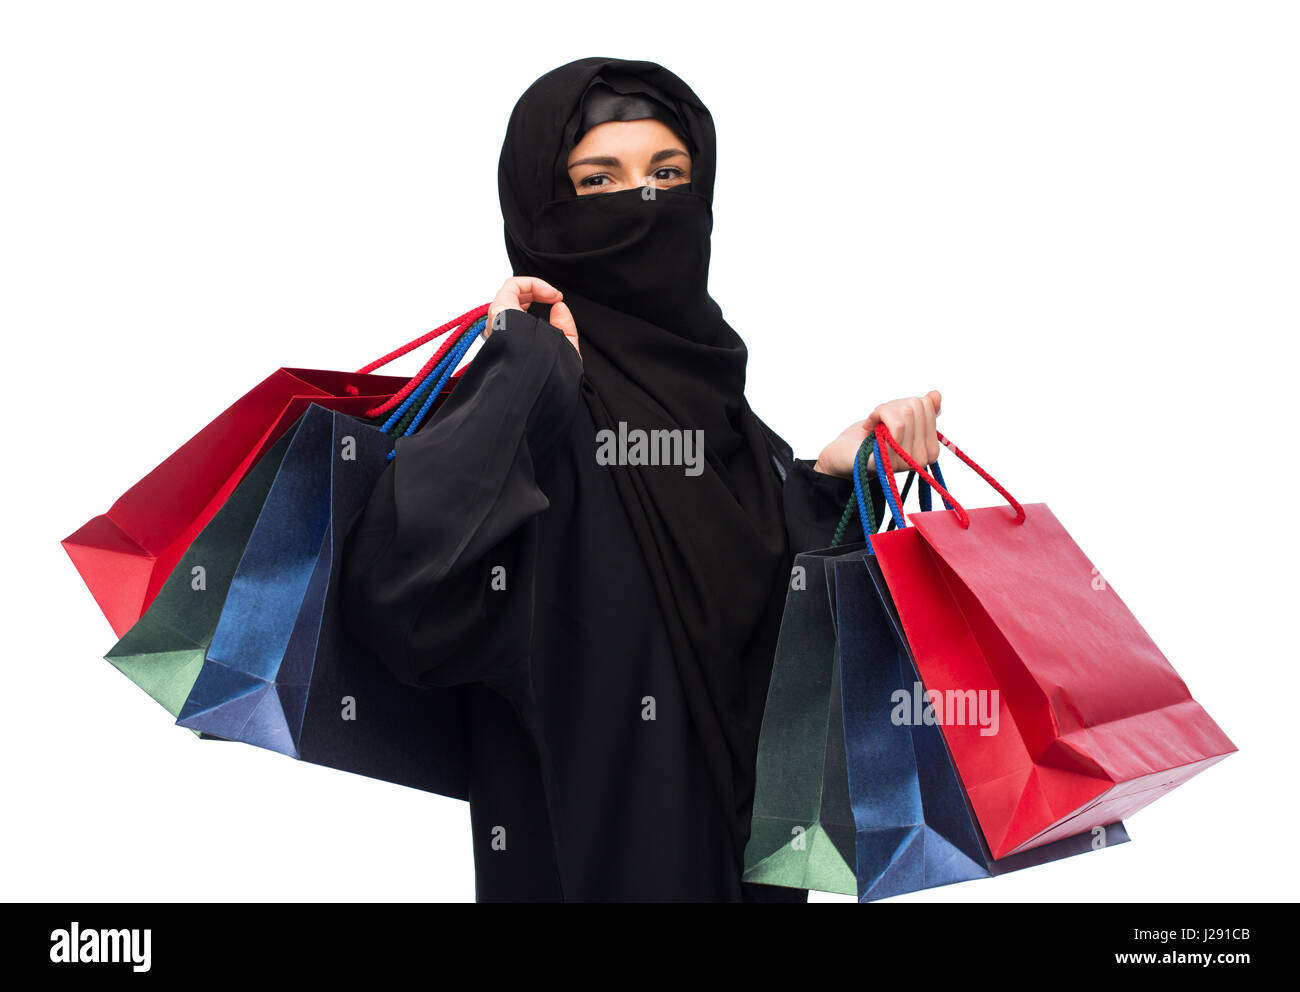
518	292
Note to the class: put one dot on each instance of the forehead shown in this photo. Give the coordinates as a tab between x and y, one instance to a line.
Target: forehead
626	138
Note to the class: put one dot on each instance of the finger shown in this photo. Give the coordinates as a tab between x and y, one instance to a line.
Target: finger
911	431
507	298
561	317
929	442
867	426
936	398
508	295
530	289
916	429
518	293
895	417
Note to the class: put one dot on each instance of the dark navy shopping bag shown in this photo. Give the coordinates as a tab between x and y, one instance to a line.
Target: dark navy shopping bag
282	672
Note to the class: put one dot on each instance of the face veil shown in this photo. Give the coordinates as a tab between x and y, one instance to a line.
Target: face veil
658	355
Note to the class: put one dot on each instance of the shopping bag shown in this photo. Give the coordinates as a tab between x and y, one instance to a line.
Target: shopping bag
802	827
911	825
125	555
802	830
914	826
281	671
163	651
1093	721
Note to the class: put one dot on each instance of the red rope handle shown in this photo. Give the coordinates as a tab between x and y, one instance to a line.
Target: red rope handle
883	433
397	398
458	325
886	438
1015	505
460	321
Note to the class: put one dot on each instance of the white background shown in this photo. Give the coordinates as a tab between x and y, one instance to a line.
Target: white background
1079	221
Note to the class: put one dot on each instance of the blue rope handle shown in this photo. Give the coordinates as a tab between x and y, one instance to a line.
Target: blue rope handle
453	359
863	497
866	512
431	376
443	370
924	495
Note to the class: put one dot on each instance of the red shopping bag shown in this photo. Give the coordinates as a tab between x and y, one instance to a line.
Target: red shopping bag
1003	610
126	554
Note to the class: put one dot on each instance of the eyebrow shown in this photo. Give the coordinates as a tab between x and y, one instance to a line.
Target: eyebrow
611	162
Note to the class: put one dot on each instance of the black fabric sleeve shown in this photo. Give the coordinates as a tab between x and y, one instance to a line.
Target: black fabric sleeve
454	516
814	501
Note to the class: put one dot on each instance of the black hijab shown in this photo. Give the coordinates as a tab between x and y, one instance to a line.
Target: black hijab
657	354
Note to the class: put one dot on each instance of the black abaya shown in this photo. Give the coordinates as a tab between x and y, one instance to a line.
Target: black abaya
575	793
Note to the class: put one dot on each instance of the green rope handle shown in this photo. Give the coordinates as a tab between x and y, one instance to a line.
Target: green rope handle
850	508
422	394
844	522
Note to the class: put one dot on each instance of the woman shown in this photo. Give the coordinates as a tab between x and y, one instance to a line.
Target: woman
608	615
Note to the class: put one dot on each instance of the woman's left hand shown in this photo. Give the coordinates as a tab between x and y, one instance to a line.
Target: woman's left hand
910	420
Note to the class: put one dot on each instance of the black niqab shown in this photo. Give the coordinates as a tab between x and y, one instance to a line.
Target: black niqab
657	354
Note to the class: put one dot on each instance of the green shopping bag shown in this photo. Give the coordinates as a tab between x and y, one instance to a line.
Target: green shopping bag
163	651
802	833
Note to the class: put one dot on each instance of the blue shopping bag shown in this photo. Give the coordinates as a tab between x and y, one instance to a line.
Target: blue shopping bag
282	672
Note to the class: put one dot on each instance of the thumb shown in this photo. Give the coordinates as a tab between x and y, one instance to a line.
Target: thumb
562	318
935	398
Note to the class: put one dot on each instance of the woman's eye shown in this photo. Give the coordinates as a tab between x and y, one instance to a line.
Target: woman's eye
599	179
667	174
